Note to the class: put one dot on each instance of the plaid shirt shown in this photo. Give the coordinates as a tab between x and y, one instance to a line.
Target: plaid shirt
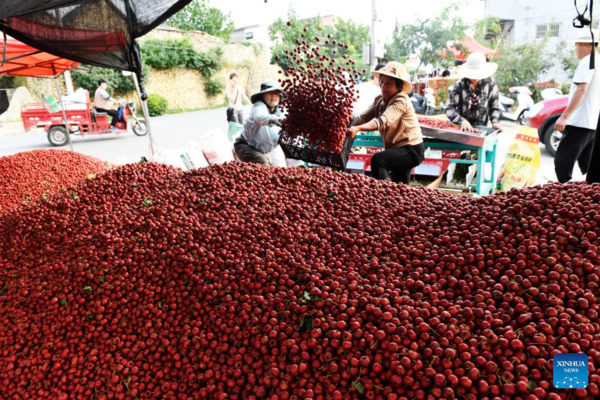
476	106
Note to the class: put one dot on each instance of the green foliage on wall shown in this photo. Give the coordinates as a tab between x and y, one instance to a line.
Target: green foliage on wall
214	87
180	53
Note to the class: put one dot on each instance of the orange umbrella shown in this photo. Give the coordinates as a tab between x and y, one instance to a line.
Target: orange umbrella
23	60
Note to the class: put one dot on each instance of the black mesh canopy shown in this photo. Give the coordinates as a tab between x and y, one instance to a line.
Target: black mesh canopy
95	32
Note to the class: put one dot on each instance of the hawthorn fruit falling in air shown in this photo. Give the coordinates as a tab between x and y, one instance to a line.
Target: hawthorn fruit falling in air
319	95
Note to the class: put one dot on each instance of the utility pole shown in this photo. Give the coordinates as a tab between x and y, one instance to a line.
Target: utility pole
373	58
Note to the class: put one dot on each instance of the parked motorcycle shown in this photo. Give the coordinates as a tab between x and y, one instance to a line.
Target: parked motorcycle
424	104
524	104
550	93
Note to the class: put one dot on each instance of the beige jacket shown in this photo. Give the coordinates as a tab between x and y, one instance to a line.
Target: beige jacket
101	99
396	121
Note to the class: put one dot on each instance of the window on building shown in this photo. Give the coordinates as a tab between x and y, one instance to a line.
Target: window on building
552	30
249	35
541	31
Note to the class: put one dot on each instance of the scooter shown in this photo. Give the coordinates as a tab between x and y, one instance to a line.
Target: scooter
550	93
524	103
424	104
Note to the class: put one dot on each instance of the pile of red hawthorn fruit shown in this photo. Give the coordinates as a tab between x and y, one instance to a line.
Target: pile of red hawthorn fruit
439	124
27	177
319	94
242	281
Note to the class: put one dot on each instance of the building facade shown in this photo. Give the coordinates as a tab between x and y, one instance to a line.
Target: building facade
526	21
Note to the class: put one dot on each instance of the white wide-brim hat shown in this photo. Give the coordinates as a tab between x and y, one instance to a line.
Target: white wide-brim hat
586	37
477	67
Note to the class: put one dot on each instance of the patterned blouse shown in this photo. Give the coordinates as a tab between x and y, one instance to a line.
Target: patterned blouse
476	106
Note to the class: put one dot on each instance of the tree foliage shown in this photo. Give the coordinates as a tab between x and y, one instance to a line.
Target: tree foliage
285	36
117	82
180	53
200	16
427	38
157	104
565	55
489	26
344	31
214	87
522	65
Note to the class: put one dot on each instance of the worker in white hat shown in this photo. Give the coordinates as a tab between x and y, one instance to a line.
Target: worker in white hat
475	99
578	122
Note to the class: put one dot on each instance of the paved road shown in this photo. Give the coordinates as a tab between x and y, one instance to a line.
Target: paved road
176	130
168	130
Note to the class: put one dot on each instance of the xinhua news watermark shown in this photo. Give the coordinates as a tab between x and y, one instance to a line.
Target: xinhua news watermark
571	371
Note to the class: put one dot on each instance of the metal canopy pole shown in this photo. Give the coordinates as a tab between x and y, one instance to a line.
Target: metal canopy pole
62	106
145	111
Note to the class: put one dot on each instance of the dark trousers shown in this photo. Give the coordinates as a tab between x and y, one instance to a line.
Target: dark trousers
238	116
249	154
400	161
575	146
113	113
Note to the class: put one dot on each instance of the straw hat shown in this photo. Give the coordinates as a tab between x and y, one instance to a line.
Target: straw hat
586	37
477	67
267	86
396	70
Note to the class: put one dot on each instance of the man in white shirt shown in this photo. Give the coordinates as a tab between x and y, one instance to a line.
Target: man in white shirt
578	122
235	94
103	103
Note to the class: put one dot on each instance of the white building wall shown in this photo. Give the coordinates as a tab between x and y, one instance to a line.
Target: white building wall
529	14
253	34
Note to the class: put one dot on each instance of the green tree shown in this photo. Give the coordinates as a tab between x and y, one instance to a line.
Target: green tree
199	16
522	65
427	38
489	26
117	82
285	33
354	35
565	56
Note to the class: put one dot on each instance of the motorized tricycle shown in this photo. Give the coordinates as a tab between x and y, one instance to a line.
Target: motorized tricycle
81	120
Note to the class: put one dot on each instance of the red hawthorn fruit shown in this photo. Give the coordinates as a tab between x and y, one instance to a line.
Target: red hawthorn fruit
244	281
26	178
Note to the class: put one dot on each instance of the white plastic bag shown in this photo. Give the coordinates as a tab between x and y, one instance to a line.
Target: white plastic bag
170	157
277	157
216	147
193	157
186	158
291	163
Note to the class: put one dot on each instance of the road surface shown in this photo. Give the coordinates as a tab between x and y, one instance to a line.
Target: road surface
174	131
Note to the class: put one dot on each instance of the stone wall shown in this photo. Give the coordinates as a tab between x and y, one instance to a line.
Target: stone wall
39	87
184	88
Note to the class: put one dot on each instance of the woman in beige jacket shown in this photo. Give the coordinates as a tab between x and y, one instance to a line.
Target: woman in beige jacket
393	115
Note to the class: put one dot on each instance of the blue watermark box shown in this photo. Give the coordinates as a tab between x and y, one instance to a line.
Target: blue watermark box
570	371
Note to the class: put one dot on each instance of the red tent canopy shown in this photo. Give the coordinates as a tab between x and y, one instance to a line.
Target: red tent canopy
24	60
472	46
